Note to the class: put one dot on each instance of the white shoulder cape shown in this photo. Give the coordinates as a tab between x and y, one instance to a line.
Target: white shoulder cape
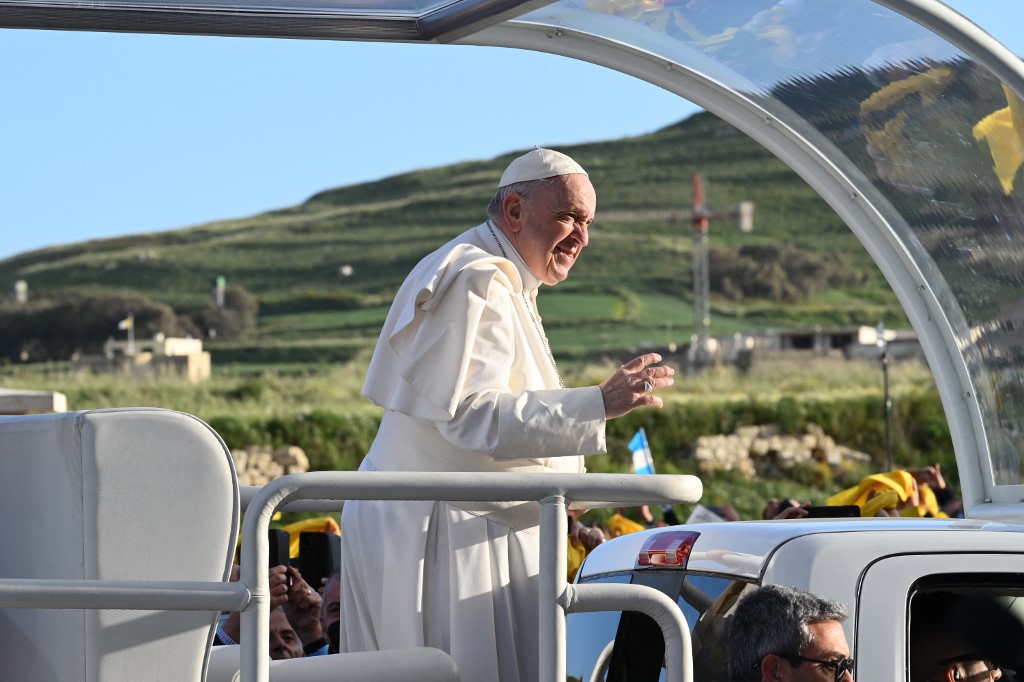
419	369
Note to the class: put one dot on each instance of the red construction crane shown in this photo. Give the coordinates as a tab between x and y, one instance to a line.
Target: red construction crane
700	215
700	351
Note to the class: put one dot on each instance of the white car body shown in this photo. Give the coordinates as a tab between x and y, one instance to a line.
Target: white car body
874	566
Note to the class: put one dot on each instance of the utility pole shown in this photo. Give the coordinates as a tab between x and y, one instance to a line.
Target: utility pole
700	353
219	286
883	347
699	216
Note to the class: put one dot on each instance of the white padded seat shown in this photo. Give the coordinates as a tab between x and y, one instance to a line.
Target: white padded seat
400	665
122	494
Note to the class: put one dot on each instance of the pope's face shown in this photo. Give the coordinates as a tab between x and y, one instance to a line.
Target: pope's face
550	227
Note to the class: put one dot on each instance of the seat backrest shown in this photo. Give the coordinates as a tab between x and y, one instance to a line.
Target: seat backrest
122	494
395	665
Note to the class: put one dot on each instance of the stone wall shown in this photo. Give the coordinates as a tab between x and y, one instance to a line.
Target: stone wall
752	450
765	452
261	464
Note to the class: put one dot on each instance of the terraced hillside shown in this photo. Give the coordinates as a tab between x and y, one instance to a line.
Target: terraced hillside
324	271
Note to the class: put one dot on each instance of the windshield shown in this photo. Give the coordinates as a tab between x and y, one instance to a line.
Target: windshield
931	138
629	646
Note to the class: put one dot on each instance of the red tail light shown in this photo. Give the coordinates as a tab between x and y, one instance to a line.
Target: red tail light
669	549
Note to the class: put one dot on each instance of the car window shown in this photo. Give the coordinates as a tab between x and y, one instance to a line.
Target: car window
966	626
587	634
627	645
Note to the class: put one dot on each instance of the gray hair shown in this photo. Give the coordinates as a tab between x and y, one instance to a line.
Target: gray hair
525	189
773	620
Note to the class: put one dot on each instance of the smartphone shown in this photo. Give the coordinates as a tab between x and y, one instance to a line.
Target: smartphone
280	547
836	512
319	556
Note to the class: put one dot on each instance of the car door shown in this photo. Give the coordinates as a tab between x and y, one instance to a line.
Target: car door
883	612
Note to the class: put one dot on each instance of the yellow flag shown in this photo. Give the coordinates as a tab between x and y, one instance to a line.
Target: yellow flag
1003	130
620	525
887	490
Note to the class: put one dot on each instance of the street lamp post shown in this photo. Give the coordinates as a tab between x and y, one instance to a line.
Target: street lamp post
883	347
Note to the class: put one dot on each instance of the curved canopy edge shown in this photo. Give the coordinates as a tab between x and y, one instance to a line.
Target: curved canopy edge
854	198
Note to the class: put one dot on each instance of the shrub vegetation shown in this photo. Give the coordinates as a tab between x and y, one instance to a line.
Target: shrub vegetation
322	412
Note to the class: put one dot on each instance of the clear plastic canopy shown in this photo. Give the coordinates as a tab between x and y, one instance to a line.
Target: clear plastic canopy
904	116
916	143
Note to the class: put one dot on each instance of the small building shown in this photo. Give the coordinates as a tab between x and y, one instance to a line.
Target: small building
818	340
159	356
852	343
900	344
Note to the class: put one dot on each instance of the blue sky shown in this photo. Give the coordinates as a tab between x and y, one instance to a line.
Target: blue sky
110	134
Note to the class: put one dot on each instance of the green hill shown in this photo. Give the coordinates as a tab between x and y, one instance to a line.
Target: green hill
799	267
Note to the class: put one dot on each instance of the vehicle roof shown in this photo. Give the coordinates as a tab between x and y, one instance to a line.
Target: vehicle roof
743	549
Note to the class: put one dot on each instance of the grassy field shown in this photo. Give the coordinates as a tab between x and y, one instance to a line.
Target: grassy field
246	392
581	323
321	410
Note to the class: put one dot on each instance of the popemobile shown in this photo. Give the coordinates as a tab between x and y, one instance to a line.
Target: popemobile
907	119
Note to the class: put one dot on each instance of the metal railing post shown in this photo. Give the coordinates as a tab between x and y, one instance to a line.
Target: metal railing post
294	492
551	583
646	600
255	574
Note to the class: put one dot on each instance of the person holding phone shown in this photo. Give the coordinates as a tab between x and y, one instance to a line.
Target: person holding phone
297	602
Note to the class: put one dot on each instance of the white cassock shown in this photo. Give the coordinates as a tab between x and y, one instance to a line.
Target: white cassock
468	384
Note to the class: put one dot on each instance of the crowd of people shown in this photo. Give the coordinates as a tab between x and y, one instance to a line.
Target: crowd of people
910	493
303	618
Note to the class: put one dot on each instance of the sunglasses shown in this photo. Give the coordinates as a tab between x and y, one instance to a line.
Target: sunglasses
838	666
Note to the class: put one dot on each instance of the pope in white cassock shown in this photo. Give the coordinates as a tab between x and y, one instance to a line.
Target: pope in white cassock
468	383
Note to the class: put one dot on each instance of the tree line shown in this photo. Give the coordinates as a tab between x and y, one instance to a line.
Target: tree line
59	325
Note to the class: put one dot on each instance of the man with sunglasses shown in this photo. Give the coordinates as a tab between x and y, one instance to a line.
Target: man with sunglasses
783	634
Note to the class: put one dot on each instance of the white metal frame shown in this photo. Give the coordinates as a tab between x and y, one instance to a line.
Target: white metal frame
251	595
554	492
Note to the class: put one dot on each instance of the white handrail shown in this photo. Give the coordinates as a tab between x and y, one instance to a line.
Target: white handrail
646	600
157	595
553	491
251	596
